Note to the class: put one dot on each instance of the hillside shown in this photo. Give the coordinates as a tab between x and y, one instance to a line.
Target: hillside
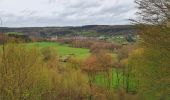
89	30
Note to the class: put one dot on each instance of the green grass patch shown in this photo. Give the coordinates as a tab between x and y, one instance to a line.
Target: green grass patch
114	80
14	33
63	49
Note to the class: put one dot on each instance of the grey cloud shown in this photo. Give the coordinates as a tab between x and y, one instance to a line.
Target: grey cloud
85	4
73	12
90	10
28	12
51	1
3	14
42	21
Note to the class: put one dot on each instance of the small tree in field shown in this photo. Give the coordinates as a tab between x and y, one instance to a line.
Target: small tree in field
50	57
122	64
100	62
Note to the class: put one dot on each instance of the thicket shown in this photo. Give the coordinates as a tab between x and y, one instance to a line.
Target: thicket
92	44
28	74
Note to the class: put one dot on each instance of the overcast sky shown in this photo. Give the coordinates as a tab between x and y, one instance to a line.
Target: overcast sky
19	13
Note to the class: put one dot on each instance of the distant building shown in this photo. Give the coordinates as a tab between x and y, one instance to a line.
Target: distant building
120	37
52	38
102	38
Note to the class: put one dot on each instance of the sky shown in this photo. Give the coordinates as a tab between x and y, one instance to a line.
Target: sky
40	13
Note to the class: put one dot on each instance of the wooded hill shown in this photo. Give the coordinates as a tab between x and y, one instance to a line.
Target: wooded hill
89	30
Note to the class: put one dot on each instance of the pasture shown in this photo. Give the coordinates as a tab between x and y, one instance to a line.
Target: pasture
63	49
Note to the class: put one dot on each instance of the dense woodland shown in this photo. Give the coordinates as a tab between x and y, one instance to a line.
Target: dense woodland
130	70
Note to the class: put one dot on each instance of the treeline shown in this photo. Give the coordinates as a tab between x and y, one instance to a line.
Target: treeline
93	44
4	38
89	30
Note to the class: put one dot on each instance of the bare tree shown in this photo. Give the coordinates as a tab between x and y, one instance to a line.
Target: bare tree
153	11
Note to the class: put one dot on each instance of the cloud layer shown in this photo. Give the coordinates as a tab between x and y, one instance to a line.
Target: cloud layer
19	13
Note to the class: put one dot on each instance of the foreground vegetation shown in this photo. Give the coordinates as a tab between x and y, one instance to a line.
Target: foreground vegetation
37	74
28	74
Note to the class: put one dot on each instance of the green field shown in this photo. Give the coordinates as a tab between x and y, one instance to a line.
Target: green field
14	33
114	81
63	49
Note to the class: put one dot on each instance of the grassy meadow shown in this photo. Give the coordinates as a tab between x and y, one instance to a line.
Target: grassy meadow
63	49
